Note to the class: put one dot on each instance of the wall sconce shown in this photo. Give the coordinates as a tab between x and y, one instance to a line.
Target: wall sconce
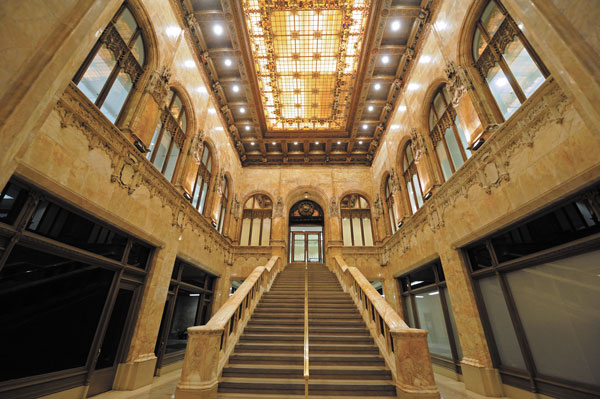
187	196
428	195
477	144
400	223
214	224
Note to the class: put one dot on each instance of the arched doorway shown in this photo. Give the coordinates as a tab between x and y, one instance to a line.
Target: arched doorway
306	232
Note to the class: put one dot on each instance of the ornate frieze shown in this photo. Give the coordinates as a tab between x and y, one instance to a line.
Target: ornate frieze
130	170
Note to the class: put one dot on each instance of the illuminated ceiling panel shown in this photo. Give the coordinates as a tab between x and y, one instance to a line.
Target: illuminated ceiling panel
306	54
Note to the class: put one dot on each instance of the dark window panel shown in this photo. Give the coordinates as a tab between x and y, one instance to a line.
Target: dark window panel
53	221
175	274
479	256
114	331
571	222
12	200
62	298
193	275
422	277
138	255
186	310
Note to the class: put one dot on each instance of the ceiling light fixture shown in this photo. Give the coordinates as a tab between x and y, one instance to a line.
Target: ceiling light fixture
377	86
273	143
295	143
236	88
339	142
360	142
385	59
316	142
227	62
247	128
243	110
370	108
252	143
395	25
365	126
218	29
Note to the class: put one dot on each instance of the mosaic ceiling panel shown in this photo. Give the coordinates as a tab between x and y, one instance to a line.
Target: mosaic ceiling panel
305	55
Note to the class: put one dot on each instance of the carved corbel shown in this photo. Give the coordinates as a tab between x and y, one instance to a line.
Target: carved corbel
458	82
158	85
417	143
198	146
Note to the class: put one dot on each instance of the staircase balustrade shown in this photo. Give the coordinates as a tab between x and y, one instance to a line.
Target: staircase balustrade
404	349
306	354
209	346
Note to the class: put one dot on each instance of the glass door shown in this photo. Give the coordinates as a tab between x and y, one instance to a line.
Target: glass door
306	246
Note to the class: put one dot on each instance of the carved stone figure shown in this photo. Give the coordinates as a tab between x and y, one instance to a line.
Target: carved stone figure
334	209
458	82
278	208
417	143
378	206
158	85
198	146
235	207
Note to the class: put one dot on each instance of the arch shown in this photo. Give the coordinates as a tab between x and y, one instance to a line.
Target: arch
170	135
257	213
314	193
501	92
448	138
119	62
357	226
306	228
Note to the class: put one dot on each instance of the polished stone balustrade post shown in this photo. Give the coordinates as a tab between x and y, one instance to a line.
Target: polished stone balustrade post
404	349
209	346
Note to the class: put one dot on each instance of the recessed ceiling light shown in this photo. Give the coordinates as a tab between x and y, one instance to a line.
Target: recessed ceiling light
377	86
339	142
242	110
385	59
395	25
273	143
227	62
252	143
316	142
236	88
365	126
218	29
360	142
247	128
370	108
295	143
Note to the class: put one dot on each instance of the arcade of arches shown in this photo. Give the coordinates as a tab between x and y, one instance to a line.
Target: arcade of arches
141	185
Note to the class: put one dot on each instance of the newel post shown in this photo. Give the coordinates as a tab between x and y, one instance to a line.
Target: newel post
413	365
200	373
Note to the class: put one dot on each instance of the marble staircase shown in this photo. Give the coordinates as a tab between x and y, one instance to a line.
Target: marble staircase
267	362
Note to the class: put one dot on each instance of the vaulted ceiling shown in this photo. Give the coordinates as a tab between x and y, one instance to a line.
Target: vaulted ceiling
306	82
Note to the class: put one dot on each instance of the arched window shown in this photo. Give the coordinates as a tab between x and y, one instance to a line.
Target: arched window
505	59
448	137
200	190
169	135
389	203
114	65
411	177
356	221
223	205
256	221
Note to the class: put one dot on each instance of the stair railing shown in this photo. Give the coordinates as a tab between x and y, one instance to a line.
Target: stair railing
209	346
404	349
306	372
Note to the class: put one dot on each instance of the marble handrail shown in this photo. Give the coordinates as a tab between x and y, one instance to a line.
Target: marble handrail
404	349
209	346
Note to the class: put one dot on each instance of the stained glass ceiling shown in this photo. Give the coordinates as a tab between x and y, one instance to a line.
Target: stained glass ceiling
306	55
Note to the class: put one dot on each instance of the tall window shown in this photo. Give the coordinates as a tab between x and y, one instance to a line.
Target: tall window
169	136
189	303
505	59
427	306
538	290
389	202
411	178
114	65
200	190
356	221
449	139
223	205
256	221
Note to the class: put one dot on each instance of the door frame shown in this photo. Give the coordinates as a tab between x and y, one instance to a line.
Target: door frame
319	234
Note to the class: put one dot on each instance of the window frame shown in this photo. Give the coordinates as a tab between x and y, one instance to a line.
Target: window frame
491	54
257	213
408	172
124	59
358	213
171	124
206	174
530	379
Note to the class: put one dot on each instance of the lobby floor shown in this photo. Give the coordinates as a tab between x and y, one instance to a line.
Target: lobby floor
163	387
